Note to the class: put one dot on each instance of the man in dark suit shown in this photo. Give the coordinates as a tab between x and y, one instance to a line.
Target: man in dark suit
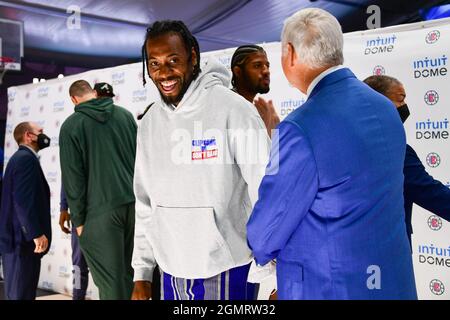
25	229
419	187
330	208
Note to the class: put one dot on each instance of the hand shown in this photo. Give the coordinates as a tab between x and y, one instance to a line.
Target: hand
142	290
41	244
80	230
268	114
64	217
273	295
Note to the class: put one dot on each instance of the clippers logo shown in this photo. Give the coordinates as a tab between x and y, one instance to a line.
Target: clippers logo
432	36
379	71
380	45
204	149
437	287
435	223
431	97
433	160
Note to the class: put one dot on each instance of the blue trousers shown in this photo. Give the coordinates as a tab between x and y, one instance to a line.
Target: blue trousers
21	273
228	285
81	271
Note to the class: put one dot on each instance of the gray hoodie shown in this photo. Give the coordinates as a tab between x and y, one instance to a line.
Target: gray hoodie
197	172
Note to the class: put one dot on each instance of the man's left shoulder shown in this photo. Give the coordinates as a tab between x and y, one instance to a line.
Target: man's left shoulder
235	102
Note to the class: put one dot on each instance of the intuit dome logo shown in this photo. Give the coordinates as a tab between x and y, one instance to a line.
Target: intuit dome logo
430	67
432	130
435	223
433	160
432	36
290	105
225	60
11	96
435	256
380	45
58	106
43	92
379	71
431	97
437	287
25	111
118	78
139	95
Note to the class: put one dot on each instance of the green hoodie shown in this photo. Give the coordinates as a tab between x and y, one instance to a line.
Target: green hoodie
97	147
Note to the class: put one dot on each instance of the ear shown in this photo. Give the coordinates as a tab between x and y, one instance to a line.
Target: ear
237	71
74	100
95	93
194	59
292	55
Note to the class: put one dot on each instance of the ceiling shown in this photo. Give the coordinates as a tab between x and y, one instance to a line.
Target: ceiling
114	29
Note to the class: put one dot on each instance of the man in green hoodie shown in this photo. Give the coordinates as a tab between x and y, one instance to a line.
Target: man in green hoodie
97	154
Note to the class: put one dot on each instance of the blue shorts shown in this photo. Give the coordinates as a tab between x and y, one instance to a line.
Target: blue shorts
228	285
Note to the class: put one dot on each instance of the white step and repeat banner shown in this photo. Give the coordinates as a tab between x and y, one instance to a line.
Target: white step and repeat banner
416	54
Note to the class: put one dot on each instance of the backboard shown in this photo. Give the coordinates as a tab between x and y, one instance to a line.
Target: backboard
11	44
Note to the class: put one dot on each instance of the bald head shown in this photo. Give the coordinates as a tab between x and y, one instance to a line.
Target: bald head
81	91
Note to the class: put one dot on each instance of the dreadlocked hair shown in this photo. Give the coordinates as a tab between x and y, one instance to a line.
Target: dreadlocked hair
162	27
240	56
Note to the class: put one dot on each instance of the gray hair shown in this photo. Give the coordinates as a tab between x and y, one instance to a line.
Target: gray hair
316	36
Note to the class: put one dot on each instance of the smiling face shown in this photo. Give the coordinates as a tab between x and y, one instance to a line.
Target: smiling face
170	66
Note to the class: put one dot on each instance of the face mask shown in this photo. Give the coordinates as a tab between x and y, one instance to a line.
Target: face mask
403	111
43	140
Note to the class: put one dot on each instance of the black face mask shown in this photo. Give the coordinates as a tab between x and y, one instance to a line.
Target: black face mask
43	141
403	111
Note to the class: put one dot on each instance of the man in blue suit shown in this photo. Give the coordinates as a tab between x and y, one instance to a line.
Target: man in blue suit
330	207
25	229
419	187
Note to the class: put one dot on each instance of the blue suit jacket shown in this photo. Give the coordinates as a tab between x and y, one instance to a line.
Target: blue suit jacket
330	207
422	189
25	207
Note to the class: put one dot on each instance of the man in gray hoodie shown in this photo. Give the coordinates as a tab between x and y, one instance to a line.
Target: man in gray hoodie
201	155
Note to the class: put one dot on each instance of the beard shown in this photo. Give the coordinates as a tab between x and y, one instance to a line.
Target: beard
177	99
262	89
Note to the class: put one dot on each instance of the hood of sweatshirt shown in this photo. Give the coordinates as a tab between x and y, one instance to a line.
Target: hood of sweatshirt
98	109
213	73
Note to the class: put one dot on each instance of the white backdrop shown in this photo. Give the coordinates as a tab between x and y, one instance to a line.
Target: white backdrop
416	54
